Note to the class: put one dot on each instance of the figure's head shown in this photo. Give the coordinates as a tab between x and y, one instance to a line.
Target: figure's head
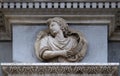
56	24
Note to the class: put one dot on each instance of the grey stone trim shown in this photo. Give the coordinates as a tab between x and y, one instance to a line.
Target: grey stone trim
49	4
60	68
4	35
118	19
58	64
2	22
75	19
58	0
116	34
25	12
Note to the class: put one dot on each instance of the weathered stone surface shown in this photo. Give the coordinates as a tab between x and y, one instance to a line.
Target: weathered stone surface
60	43
5	53
60	69
25	36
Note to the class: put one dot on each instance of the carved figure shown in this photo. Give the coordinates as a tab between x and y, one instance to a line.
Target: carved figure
60	43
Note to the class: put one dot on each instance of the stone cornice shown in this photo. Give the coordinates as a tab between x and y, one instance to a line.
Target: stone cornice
59	0
60	68
60	64
76	11
61	4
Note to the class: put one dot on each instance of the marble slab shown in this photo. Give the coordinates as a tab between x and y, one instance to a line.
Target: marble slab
24	37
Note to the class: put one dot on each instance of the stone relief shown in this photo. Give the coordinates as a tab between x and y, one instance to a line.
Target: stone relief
60	69
60	43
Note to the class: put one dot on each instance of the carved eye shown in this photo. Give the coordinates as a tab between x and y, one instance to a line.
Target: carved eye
52	25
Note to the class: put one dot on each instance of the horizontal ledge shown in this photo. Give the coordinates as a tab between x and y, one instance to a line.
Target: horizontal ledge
59	15
74	22
59	64
58	0
37	19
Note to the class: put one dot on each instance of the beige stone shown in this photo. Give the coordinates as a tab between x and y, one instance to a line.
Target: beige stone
60	43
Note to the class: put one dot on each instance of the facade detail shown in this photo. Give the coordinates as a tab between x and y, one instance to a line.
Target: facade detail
2	22
60	43
60	68
87	12
116	33
60	4
4	33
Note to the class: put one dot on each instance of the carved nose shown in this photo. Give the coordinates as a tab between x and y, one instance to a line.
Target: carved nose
50	28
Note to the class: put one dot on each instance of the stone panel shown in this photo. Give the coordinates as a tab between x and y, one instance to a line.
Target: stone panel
24	38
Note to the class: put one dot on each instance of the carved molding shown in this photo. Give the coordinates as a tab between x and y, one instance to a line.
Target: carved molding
74	12
61	4
58	0
2	22
4	33
116	34
118	18
71	19
60	68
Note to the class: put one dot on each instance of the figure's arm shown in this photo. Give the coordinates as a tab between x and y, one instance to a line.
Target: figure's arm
52	54
46	53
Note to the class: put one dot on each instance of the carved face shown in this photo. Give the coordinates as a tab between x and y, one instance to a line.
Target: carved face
54	27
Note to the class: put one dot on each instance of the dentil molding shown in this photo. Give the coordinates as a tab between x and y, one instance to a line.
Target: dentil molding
73	11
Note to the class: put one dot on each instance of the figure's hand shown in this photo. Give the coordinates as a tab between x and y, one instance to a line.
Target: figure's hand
64	53
70	53
67	53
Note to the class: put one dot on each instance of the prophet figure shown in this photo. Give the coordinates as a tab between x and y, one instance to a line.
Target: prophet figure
60	43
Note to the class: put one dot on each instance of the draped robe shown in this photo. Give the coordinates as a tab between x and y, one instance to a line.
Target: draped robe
52	44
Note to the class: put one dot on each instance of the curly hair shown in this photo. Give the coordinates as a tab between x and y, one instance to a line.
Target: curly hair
61	22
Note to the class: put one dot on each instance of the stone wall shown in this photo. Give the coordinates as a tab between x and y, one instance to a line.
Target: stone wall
114	52
5	53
